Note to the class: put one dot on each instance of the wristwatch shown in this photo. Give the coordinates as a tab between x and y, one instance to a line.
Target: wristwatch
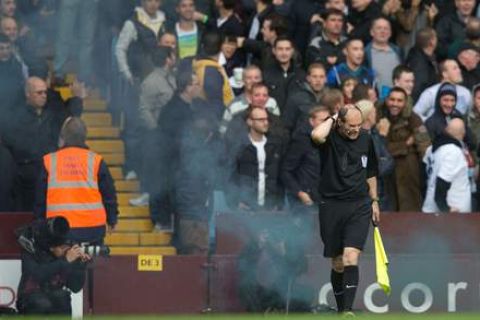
375	200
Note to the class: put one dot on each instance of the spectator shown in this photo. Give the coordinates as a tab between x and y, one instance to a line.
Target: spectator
74	164
282	76
173	120
300	17
364	92
195	181
304	97
255	167
260	97
24	48
158	87
216	89
274	25
411	18
8	8
262	9
32	131
156	91
332	99
137	40
11	78
352	67
327	47
421	59
445	110
468	59
227	22
403	77
449	187
347	87
407	141
187	30
474	115
8	180
450	72
382	56
360	18
386	164
69	11
167	39
451	27
251	76
231	58
301	166
472	36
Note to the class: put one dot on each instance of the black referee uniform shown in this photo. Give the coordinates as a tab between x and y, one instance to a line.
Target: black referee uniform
345	205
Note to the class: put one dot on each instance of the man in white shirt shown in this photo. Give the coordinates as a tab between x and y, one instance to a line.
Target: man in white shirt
450	72
449	188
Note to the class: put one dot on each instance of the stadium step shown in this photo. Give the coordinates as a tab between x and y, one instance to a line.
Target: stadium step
106	146
137	239
103	132
114	159
97	119
123	198
127	186
164	251
116	172
94	104
134	212
134	225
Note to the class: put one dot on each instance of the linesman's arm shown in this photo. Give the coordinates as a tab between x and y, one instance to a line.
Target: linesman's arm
372	190
320	133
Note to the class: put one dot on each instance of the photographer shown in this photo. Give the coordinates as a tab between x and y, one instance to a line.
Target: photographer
51	268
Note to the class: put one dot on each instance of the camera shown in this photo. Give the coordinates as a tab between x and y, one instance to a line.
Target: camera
95	250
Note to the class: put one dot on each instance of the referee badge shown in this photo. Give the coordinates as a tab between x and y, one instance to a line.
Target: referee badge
364	161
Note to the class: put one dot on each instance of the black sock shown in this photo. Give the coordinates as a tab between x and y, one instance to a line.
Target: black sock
337	283
350	283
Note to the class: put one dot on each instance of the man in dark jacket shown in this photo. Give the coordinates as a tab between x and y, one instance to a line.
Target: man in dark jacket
451	27
301	166
468	60
227	22
50	266
274	25
173	120
360	18
445	110
11	77
326	48
254	24
254	167
304	97
32	132
282	76
421	59
301	13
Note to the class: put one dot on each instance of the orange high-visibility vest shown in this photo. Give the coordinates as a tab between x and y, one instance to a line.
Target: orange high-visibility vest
73	187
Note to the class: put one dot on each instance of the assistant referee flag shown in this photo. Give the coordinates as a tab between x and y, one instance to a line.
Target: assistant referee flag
381	262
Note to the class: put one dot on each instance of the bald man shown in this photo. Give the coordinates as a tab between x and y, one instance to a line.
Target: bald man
32	131
448	162
348	197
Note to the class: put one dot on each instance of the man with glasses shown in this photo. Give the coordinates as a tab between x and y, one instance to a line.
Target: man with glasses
31	132
255	167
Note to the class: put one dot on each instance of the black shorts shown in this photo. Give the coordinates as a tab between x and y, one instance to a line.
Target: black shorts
344	224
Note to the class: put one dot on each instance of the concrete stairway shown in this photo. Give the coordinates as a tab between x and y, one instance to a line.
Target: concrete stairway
133	234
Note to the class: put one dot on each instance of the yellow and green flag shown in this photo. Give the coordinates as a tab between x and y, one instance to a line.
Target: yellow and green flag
381	262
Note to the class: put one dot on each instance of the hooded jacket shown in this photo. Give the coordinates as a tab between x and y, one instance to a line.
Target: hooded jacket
438	121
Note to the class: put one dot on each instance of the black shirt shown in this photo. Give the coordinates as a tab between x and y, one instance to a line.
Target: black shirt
346	166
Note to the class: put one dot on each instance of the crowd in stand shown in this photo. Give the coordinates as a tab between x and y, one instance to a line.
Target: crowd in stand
223	95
